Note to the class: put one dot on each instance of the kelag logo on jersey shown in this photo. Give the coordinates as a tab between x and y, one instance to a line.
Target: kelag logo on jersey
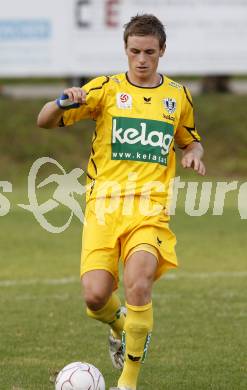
141	139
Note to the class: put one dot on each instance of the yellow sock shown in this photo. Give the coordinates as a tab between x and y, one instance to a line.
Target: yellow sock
110	314
136	337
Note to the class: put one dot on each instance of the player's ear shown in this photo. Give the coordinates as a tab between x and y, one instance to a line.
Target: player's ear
162	50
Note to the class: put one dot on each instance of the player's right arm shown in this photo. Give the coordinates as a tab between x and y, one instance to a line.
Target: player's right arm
51	114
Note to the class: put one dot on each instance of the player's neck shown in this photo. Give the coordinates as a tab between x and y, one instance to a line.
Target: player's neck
150	82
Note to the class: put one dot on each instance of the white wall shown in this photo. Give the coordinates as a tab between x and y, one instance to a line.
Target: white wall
84	37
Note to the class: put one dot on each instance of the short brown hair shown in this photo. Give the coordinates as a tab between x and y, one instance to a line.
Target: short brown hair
146	24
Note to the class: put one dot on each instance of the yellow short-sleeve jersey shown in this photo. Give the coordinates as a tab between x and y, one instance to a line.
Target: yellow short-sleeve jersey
136	128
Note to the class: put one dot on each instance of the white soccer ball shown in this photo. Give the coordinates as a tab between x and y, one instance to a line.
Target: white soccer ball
80	376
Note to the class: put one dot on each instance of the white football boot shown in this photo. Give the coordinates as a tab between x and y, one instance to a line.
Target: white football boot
116	352
115	348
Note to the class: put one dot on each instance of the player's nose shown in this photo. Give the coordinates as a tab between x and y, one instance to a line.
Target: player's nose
142	59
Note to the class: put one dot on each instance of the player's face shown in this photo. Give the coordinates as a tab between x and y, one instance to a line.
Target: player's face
143	56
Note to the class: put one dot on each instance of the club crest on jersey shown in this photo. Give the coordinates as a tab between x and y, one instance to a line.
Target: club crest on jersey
124	100
170	105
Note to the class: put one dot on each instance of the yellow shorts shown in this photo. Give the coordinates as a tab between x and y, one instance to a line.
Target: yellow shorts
117	236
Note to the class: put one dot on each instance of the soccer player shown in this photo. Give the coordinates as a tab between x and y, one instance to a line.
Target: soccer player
140	116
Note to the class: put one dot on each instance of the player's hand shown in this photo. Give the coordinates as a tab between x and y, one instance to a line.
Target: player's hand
192	158
71	98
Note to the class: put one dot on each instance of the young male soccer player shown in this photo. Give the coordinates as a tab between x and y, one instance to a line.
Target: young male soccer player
139	115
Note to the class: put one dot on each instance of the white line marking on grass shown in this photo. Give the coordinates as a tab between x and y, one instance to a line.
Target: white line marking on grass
29	282
28	297
168	276
205	275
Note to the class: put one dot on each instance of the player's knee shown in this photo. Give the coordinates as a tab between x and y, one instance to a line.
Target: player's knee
94	299
139	290
97	289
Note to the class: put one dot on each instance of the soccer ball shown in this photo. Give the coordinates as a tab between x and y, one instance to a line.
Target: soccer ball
80	376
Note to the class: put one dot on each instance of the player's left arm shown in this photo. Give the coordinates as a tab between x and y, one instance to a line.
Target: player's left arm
192	158
187	137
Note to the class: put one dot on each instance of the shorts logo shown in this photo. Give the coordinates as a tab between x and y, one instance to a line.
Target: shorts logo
141	139
159	242
170	105
124	100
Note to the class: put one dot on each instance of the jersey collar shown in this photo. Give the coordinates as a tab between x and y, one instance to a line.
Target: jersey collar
138	86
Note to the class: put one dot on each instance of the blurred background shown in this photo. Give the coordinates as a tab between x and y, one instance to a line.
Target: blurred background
46	46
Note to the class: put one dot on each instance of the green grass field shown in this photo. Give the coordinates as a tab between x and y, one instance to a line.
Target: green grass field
199	340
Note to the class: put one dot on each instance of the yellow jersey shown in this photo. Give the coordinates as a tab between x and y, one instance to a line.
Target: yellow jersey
136	129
